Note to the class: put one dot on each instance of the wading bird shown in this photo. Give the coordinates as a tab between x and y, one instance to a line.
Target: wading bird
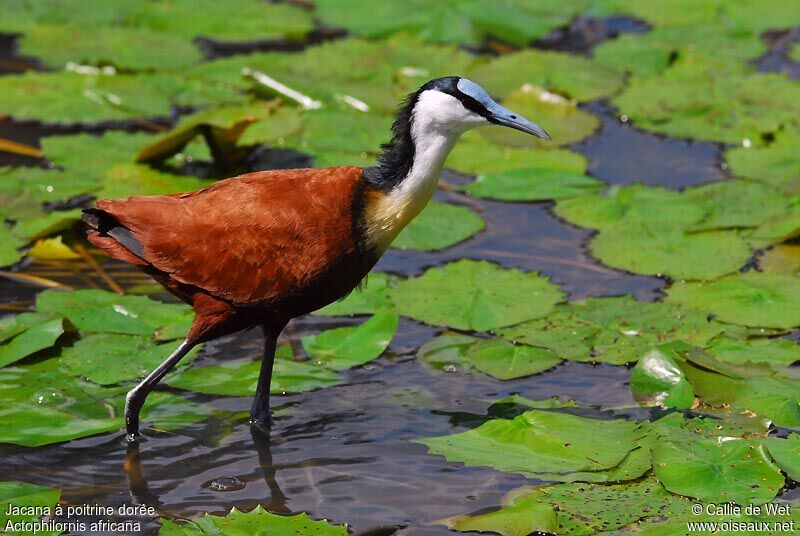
265	247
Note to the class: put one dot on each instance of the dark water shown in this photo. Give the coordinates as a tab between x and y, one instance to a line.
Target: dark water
344	453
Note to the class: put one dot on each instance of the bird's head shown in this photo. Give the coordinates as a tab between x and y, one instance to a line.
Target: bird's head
458	104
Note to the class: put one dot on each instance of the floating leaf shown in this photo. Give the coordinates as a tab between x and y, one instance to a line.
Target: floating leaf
576	77
371	297
475	295
22	495
97	311
343	348
662	250
562	119
52	249
781	259
541	442
750	299
124	180
657	381
10	247
777	353
786	453
257	521
736	470
776	164
613	330
532	184
734	204
30	332
438	226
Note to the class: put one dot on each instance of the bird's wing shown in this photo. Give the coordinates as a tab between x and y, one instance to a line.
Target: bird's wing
248	239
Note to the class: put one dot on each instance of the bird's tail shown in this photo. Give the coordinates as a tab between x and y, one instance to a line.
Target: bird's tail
113	237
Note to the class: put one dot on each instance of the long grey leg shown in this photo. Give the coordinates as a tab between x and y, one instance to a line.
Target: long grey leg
136	396
259	412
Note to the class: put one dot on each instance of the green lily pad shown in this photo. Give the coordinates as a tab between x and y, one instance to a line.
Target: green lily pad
284	124
736	470
109	358
576	509
37	186
708	99
750	299
776	164
97	45
439	225
656	380
241	378
532	184
495	357
475	295
541	442
573	76
257	521
448	22
614	330
777	353
662	250
786	453
631	205
548	403
98	311
781	259
23	494
734	204
31	332
561	117
124	180
10	247
372	296
343	348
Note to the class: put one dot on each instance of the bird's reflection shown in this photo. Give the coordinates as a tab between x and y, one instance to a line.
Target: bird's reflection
142	495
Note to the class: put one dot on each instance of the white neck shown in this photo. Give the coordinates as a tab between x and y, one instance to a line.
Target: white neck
437	122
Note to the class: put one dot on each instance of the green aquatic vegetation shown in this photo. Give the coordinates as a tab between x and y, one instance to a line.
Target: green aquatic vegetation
777	353
575	77
707	99
781	259
615	330
123	180
542	442
736	470
26	334
257	521
10	247
439	225
23	494
776	164
736	203
532	184
474	295
786	454
371	297
752	298
496	357
343	348
449	21
656	380
565	122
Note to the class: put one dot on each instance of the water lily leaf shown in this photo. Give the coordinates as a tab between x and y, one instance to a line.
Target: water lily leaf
778	353
715	424
109	358
776	164
30	332
781	259
343	348
615	330
448	22
371	297
631	205
124	180
475	295
541	442
581	509
656	380
532	184
561	117
241	378
10	247
736	204
573	76
709	99
52	249
438	226
132	48
505	361
221	127
284	124
750	299
23	494
257	521
661	250
786	453
737	470
30	187
97	311
548	403
446	350
475	155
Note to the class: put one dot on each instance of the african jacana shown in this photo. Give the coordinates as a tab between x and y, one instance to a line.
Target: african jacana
265	247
